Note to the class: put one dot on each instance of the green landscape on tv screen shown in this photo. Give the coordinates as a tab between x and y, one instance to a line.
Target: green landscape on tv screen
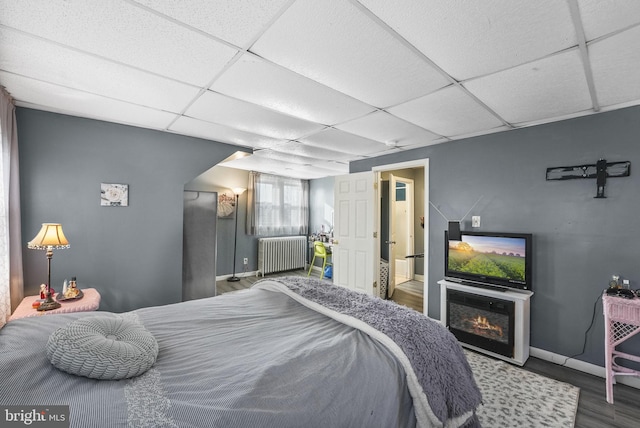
497	257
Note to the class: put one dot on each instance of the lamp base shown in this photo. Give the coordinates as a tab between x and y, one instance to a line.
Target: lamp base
233	279
49	304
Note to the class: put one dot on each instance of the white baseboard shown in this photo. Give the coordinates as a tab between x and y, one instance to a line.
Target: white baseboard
581	366
418	278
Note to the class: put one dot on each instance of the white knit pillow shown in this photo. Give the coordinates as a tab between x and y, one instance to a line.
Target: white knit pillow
103	347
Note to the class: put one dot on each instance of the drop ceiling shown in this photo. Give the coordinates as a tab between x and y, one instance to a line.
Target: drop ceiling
311	85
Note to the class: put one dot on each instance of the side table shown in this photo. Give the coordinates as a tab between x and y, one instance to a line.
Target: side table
89	302
621	321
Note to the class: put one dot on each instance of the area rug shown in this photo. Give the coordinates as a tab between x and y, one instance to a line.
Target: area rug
513	397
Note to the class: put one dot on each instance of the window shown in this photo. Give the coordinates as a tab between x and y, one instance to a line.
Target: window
401	191
280	205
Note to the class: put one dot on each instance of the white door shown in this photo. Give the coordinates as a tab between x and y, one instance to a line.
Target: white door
392	235
401	240
355	251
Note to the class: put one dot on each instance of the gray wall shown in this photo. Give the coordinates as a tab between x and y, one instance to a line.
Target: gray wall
579	241
132	255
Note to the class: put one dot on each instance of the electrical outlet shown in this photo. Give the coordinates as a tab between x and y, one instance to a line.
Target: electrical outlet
475	221
246	261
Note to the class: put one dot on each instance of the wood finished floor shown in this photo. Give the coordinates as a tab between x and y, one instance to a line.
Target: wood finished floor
593	409
409	294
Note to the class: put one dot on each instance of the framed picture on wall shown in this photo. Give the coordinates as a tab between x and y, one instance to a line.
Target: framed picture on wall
226	205
114	195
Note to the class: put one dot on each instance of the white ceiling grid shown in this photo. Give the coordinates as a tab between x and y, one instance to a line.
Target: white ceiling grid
312	85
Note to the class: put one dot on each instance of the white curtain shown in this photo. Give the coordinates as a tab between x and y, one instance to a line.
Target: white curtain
277	205
11	281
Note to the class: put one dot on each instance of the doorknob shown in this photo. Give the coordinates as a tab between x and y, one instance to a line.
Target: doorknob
390	242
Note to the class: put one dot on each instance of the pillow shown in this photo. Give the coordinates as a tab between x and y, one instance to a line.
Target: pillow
103	347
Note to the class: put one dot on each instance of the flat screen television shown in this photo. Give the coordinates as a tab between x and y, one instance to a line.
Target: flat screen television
490	259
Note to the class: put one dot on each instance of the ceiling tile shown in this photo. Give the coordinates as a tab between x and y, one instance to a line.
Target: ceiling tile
338	45
272	154
45	96
121	32
615	62
221	133
334	139
485	132
324	166
237	22
603	17
260	82
336	168
37	59
316	152
448	112
468	39
431	143
277	167
553	86
383	127
252	163
223	110
313	172
311	163
386	151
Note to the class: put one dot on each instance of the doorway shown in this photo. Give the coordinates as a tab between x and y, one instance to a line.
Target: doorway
403	194
401	230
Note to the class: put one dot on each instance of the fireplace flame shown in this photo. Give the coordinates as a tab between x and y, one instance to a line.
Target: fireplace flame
482	323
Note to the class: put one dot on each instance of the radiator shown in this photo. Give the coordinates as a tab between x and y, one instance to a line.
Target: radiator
280	254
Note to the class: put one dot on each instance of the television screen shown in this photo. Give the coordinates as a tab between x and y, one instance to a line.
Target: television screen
493	259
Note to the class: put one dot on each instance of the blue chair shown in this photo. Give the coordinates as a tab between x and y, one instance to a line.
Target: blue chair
320	251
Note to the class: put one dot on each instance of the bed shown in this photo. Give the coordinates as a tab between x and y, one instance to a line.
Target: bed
288	352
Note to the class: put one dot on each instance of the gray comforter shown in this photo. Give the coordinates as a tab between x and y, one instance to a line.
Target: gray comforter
254	358
439	377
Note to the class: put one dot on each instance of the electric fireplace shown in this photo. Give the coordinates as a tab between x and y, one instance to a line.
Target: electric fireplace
482	321
494	322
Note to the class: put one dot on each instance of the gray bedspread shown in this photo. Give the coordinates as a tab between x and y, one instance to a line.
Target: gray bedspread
439	376
253	358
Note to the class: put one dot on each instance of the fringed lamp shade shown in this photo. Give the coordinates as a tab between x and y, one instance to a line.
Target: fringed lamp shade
50	235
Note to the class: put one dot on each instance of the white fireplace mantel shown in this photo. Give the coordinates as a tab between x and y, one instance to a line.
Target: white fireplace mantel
522	301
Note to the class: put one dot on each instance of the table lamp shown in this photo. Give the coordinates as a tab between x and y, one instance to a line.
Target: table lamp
49	237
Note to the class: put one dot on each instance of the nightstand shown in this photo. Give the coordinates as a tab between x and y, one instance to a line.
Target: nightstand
621	321
89	302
